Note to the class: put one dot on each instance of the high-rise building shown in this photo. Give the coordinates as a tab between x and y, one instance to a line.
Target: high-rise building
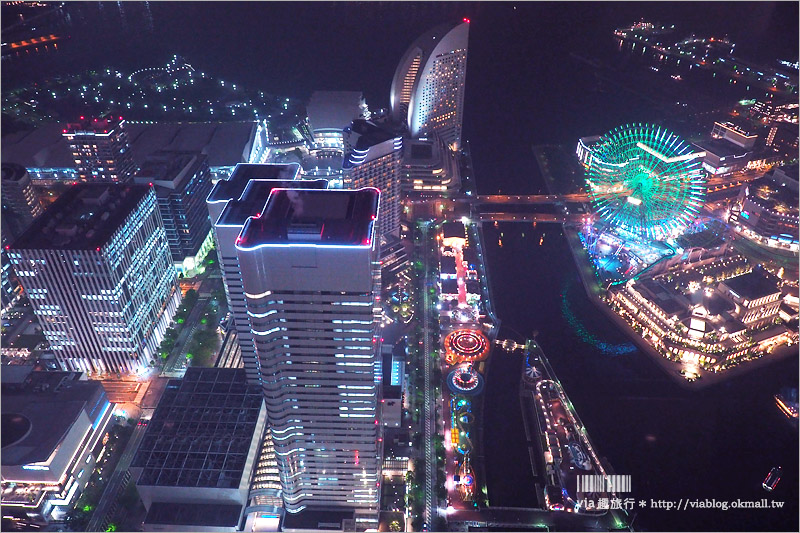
372	159
100	149
428	85
19	208
97	269
18	195
311	282
182	182
230	204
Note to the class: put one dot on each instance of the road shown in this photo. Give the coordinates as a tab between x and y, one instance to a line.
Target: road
430	406
97	523
179	351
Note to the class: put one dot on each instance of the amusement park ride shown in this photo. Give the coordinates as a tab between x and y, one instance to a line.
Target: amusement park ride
647	187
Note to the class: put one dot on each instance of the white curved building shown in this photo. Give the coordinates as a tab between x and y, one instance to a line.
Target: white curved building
311	283
428	85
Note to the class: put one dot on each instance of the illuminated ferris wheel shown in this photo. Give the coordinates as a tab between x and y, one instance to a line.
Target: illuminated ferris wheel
645	180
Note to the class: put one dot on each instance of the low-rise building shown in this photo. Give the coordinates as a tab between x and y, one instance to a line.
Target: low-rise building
198	453
53	428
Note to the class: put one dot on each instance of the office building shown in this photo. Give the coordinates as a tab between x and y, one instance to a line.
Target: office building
372	159
53	424
182	182
230	203
18	197
311	282
428	86
97	269
194	466
100	149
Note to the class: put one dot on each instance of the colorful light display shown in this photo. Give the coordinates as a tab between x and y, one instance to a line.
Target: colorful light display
465	345
645	180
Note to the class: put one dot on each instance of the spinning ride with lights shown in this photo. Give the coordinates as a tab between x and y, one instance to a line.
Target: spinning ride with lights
465	345
465	380
645	181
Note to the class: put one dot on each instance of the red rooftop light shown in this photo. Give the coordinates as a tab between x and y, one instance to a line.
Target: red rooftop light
98	249
82	118
7	247
466	20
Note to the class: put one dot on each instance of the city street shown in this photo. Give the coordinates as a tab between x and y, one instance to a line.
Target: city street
117	478
429	404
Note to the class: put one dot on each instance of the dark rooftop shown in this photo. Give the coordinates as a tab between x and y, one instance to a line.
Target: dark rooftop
369	133
254	198
201	432
50	402
329	217
13	172
85	216
169	170
448	264
454	229
721	147
194	514
754	285
233	187
317	519
449	286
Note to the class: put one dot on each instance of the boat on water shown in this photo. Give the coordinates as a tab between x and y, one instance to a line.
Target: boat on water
772	479
787	406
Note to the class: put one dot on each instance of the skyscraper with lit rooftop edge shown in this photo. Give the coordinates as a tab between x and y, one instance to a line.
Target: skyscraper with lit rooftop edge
101	149
311	284
98	272
428	86
230	203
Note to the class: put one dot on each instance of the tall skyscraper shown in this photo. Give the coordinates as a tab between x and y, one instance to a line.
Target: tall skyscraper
372	159
182	182
230	204
97	269
18	195
428	85
100	149
311	283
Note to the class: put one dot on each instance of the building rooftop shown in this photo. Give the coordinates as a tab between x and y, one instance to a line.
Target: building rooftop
721	147
194	514
92	126
169	170
307	216
454	229
334	109
40	410
310	519
225	143
254	198
369	133
233	187
201	432
12	172
85	216
753	285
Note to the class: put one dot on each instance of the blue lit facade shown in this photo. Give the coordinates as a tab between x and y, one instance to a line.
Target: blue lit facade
103	296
